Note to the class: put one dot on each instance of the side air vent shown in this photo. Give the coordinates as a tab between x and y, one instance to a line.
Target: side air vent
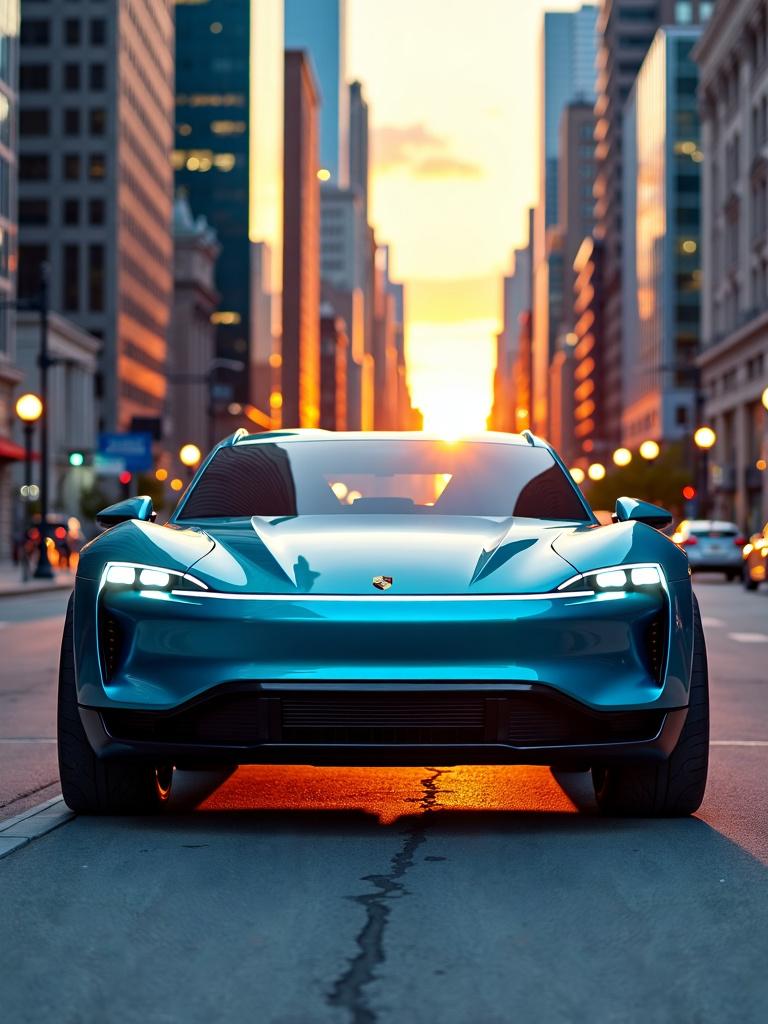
656	646
111	644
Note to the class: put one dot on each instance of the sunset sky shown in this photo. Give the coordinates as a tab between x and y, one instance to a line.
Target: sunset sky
452	87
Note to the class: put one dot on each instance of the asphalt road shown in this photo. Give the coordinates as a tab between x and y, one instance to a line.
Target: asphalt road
358	895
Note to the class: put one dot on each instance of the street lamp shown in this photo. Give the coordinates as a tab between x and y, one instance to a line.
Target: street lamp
190	456
622	457
578	474
596	471
764	399
649	450
704	438
29	409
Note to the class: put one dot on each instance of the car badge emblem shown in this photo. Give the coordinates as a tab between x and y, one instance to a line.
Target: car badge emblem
382	582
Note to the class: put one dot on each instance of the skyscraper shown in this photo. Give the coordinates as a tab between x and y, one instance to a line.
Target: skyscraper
229	163
301	246
96	186
9	375
625	31
566	75
662	261
359	144
319	27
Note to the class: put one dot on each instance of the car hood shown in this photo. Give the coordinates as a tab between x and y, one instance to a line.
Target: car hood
342	555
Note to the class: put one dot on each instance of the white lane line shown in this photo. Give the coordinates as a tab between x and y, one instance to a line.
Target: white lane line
749	638
27	739
738	743
709	623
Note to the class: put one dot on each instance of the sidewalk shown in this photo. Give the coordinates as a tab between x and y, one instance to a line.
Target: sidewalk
12	585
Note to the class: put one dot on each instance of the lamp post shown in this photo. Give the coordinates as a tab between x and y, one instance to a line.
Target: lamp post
190	455
29	409
704	438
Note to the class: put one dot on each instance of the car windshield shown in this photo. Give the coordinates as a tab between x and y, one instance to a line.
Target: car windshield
383	476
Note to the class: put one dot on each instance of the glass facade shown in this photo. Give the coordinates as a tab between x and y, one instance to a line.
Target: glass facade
662	277
228	150
9	49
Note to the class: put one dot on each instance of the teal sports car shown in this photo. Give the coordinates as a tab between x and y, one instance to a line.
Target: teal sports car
383	599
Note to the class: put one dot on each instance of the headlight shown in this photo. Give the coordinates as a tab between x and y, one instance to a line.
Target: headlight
617	579
131	576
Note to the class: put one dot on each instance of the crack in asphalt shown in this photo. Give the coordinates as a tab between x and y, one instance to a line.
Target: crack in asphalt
348	991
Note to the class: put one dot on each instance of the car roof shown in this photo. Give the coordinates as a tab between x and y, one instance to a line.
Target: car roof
241	437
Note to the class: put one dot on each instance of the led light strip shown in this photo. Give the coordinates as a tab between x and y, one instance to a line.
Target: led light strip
573	595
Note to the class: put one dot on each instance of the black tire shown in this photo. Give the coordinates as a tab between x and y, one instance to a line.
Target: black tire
675	787
90	785
732	575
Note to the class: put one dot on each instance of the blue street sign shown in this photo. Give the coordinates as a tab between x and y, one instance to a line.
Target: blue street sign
135	450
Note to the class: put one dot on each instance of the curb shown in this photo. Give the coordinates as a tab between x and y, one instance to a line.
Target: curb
22	591
21	830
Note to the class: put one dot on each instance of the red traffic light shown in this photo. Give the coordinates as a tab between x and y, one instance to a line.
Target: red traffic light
689	493
125	477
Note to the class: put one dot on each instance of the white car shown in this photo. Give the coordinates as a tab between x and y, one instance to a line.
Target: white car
712	545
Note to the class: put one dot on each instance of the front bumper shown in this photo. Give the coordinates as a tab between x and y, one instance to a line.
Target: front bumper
544	661
357	724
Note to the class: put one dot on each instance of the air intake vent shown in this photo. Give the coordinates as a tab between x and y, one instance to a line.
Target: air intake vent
111	642
656	646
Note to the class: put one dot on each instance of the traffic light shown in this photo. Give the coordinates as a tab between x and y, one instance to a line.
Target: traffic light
125	477
76	458
689	493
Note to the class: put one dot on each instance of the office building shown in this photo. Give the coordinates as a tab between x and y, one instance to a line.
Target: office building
359	145
661	253
9	375
566	75
229	164
334	345
300	399
516	300
625	31
734	358
588	400
576	168
319	27
192	348
96	186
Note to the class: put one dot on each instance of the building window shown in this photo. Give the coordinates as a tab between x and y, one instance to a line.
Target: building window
35	32
96	76
33	167
96	211
34	121
71	77
98	31
97	121
34	77
71	166
705	9
96	278
97	166
684	12
70	213
70	294
31	259
72	31
33	211
71	121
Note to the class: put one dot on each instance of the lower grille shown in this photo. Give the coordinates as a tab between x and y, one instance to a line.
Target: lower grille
656	646
247	719
111	644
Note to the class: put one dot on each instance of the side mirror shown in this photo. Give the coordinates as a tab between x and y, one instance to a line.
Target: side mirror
641	512
139	507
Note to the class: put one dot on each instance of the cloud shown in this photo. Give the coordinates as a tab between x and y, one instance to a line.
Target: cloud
416	149
447	167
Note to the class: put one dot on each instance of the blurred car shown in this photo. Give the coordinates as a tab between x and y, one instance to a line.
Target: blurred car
712	545
755	555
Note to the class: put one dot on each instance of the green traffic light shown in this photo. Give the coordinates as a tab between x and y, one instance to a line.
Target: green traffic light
76	458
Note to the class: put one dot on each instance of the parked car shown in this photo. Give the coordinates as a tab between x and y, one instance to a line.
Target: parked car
755	555
712	546
383	599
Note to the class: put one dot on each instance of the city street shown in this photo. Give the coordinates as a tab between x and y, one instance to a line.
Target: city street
364	895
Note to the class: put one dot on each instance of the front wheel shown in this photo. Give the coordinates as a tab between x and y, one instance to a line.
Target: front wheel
675	787
92	786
